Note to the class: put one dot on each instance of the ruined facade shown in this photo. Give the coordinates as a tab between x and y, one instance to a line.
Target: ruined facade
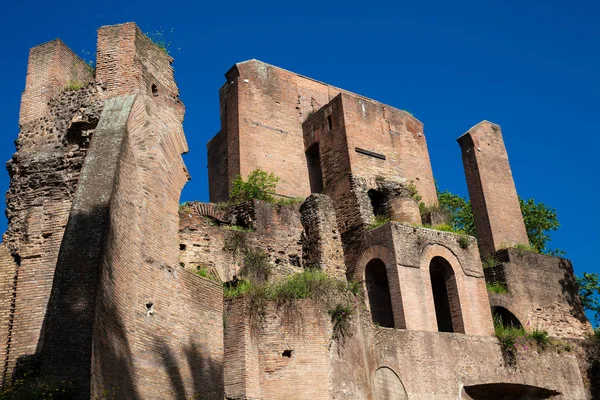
108	283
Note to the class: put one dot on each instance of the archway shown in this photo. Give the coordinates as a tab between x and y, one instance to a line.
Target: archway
448	311
378	290
505	317
388	386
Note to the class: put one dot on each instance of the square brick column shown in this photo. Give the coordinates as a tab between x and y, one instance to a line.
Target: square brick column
496	208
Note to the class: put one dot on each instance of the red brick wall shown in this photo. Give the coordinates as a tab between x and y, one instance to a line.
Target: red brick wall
496	209
51	67
264	108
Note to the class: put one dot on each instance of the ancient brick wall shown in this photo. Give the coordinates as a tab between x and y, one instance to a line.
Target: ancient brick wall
542	293
285	356
57	124
492	190
274	229
434	365
264	108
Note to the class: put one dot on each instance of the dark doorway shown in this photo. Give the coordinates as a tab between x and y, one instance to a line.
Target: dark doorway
378	290
445	296
315	175
377	202
504	316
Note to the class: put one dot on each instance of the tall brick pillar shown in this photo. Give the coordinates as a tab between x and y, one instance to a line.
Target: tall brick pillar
496	209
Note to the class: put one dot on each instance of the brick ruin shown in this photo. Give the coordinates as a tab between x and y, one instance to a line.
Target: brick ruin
98	282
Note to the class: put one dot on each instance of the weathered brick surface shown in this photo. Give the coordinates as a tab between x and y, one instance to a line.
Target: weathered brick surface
542	293
492	190
264	108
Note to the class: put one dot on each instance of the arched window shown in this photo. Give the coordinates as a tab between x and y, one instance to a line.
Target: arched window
378	290
445	296
387	385
505	317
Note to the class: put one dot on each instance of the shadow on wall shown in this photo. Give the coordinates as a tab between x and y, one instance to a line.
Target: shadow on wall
570	291
91	308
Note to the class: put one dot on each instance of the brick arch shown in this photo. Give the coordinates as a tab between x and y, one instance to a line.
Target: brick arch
444	273
388	385
500	301
385	255
376	251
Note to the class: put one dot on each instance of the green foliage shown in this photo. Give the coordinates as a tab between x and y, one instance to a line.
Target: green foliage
256	266
204	272
37	388
288	201
463	241
340	318
377	221
520	246
496	287
185	207
236	243
540	337
260	185
75	85
242	288
540	220
238	228
88	58
589	291
414	193
461	214
489	262
162	39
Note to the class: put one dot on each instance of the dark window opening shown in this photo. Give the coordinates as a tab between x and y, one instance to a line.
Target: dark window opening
445	296
329	123
378	290
154	90
315	175
503	391
287	353
182	246
505	317
377	202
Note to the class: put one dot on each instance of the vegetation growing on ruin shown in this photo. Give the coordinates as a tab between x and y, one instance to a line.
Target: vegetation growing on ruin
28	388
161	39
334	295
259	185
520	246
377	221
463	241
256	267
75	85
414	192
489	262
204	272
514	339
185	207
496	287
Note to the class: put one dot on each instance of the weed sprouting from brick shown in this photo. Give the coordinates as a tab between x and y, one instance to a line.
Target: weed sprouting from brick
161	39
75	85
331	294
27	388
378	221
489	262
496	287
256	266
519	246
514	339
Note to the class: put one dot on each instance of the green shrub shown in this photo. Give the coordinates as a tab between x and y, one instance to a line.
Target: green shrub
75	85
185	207
489	262
377	221
413	191
236	242
496	287
520	246
204	272
463	241
260	185
256	266
288	201
340	318
242	288
511	339
540	337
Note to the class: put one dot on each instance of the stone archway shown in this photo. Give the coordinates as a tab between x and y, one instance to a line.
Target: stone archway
388	386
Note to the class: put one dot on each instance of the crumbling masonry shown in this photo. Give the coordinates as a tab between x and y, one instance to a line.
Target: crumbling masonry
98	282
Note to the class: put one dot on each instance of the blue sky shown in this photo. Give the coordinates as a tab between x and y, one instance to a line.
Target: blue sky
532	67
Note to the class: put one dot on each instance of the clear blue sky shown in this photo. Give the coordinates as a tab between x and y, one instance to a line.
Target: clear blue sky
532	68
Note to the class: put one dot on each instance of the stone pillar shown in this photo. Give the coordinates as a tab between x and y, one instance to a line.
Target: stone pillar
404	209
321	241
496	209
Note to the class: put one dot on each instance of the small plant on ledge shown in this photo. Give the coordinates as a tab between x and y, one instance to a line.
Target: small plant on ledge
377	221
496	287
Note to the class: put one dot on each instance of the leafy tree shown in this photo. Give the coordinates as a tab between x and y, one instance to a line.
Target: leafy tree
539	218
589	290
461	213
260	185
